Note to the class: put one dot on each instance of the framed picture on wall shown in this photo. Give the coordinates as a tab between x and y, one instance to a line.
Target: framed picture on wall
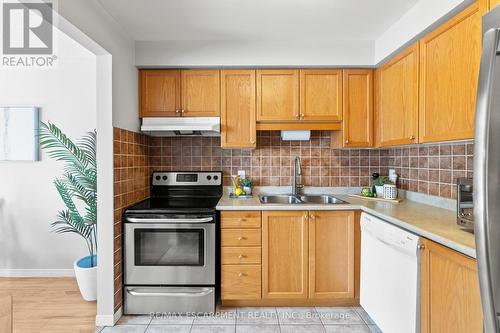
19	133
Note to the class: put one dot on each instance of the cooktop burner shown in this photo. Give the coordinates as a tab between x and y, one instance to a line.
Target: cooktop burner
181	192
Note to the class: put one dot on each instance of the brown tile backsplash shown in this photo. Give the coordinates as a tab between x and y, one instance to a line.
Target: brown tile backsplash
431	169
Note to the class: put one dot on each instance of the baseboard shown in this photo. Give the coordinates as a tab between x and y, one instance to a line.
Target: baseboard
37	273
109	320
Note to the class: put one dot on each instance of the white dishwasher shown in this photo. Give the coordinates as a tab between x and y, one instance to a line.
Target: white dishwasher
390	290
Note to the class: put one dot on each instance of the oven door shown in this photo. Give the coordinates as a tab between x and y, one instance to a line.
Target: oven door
170	253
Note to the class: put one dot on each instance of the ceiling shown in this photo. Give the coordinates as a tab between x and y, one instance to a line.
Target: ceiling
301	20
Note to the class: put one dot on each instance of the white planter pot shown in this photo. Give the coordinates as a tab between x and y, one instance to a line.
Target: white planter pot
248	190
87	278
380	191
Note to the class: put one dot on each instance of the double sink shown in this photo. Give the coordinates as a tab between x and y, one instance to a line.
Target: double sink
300	199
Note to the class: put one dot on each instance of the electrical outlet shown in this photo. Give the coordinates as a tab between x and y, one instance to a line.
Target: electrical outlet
241	173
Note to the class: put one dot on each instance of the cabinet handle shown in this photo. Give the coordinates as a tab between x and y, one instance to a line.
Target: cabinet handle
306	216
241	238
421	246
182	110
297	116
412	137
241	256
302	116
177	110
252	141
346	141
241	274
312	217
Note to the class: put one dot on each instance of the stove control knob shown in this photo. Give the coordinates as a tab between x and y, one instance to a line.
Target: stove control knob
165	177
158	177
209	177
216	177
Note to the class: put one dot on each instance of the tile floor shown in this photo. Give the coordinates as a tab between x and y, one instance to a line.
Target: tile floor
249	320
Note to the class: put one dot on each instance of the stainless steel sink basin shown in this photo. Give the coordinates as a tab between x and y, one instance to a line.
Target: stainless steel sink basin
321	199
303	199
279	199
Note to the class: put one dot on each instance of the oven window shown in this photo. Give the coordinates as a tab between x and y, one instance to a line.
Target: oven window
169	247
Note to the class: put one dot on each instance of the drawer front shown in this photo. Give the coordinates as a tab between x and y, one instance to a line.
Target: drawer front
240	255
241	282
240	219
240	237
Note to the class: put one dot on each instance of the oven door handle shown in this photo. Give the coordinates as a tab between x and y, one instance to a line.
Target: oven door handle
203	292
171	220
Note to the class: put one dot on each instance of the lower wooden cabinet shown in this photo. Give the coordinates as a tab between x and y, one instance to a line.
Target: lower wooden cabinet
302	258
284	254
331	254
449	291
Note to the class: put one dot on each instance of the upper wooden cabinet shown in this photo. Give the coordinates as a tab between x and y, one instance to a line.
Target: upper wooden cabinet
396	100
321	94
200	93
284	254
331	254
449	67
450	298
357	126
238	113
171	93
160	93
277	95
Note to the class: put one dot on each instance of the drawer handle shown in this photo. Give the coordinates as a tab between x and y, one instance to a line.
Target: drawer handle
241	274
242	220
241	256
241	238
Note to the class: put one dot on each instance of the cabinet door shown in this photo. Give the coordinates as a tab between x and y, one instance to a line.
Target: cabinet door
160	93
450	291
238	109
449	67
357	125
277	95
284	254
331	254
321	94
396	100
200	93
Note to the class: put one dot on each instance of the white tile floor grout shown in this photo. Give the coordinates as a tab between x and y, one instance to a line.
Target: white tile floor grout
249	320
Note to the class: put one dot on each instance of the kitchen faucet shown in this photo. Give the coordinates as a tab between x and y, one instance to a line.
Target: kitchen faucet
297	171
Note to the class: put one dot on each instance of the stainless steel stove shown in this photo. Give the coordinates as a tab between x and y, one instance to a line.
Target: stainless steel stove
170	244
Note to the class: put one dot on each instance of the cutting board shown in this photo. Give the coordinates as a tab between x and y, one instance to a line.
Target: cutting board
358	196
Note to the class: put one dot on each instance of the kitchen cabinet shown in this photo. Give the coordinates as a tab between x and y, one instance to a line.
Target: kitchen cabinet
278	95
174	93
200	93
357	125
284	254
449	67
238	111
302	258
331	254
396	99
450	300
321	94
160	93
240	255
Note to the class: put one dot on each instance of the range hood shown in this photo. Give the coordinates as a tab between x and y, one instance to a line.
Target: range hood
181	126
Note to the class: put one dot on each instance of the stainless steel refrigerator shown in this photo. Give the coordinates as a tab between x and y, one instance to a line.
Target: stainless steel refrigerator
487	173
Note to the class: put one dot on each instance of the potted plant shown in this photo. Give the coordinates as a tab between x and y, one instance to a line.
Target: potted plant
77	188
247	185
379	184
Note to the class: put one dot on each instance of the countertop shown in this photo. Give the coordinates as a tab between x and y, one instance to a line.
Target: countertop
434	223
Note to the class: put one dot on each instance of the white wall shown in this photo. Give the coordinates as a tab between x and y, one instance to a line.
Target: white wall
253	53
91	19
425	15
28	200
